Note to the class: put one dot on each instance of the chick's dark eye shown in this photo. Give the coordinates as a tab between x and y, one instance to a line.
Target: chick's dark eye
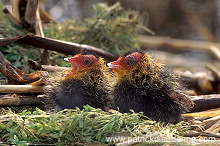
86	62
129	62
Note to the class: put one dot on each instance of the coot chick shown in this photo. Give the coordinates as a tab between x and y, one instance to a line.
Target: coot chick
84	83
145	85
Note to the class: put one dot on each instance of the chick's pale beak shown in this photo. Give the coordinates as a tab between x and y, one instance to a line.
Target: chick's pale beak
70	59
113	65
66	59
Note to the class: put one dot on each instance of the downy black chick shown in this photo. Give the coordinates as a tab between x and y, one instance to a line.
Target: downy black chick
84	83
145	85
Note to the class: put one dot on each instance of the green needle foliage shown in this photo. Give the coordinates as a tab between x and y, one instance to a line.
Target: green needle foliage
112	28
67	126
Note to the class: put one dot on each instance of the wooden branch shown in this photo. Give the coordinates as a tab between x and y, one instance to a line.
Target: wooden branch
11	16
5	42
15	75
215	71
201	82
63	46
203	114
44	55
22	89
30	12
201	134
179	44
206	102
34	65
210	125
33	22
15	9
45	17
215	50
8	100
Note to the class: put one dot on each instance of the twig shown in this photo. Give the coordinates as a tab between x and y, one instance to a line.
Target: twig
57	45
201	82
15	9
5	42
22	89
214	128
11	16
15	75
20	100
207	134
206	102
215	50
45	17
203	114
39	31
30	12
34	64
211	124
215	71
180	44
63	46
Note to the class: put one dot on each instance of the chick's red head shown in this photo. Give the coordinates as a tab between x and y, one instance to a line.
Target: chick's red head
79	63
125	63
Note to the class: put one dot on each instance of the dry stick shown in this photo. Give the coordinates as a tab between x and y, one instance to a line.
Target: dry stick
20	100
22	89
206	102
15	75
5	42
30	12
215	50
214	128
215	71
37	66
32	17
200	82
34	65
209	125
15	8
11	16
201	134
167	42
64	47
39	31
201	115
45	17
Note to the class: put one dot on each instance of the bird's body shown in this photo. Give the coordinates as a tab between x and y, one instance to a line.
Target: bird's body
83	84
144	85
